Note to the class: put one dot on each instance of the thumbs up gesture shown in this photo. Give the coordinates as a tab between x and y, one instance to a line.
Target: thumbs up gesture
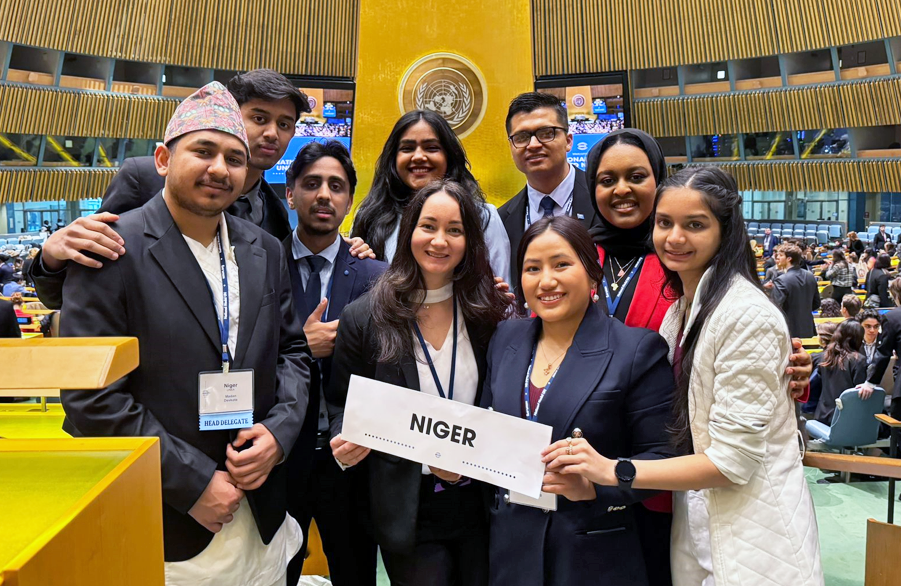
320	335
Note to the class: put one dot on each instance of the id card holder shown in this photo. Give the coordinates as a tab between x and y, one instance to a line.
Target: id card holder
225	400
546	501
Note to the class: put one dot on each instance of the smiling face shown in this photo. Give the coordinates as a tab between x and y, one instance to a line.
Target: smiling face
204	171
536	159
625	186
420	157
555	284
686	233
438	242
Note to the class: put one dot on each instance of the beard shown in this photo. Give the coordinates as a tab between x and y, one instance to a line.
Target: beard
201	205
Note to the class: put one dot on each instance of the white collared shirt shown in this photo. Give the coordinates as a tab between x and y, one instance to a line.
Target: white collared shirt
562	196
301	252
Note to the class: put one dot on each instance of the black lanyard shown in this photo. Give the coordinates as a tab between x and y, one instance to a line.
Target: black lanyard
428	357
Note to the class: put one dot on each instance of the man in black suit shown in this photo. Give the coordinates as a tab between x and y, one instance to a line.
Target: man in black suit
270	106
7	270
325	277
880	239
538	131
797	294
209	297
9	323
770	242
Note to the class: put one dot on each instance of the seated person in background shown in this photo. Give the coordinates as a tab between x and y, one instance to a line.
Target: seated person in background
842	367
796	293
890	248
877	283
778	265
17	285
9	325
855	244
871	320
830	308
825	332
851	305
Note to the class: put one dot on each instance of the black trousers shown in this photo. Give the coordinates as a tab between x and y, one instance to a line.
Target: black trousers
337	500
654	532
451	539
839	292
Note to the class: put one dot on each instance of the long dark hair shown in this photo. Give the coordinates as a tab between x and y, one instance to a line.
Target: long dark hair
845	344
571	230
389	195
838	257
734	257
395	298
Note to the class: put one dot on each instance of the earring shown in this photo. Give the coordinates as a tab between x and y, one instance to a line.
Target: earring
525	305
595	297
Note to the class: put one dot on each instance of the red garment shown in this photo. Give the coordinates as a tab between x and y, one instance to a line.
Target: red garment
648	304
647	310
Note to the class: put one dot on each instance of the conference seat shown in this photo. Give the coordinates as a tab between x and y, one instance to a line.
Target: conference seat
854	424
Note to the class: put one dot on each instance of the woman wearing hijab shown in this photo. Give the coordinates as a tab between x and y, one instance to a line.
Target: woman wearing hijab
623	172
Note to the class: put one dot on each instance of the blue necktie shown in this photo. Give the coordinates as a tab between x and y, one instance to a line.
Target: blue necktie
313	292
547	207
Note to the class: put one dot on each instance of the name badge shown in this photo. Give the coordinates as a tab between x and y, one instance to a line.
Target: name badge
545	500
225	399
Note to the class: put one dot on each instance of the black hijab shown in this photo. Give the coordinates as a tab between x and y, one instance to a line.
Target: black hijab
617	241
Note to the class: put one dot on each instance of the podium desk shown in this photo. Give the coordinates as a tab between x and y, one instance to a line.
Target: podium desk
80	512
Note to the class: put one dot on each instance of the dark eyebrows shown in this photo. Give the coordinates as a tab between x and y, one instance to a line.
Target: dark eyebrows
408	141
338	178
434	219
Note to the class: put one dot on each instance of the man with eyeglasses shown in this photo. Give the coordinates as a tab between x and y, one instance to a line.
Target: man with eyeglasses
538	131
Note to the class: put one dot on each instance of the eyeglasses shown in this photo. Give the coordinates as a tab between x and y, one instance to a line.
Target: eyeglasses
544	135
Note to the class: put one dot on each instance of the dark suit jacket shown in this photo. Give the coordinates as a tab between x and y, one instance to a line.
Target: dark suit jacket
6	272
9	325
513	215
889	343
880	239
393	482
616	385
877	284
835	381
796	293
158	293
134	185
351	278
769	246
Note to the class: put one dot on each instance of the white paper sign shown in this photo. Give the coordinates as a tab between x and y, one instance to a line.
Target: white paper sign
477	443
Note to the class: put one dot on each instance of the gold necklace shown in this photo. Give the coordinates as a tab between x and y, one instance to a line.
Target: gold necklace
550	364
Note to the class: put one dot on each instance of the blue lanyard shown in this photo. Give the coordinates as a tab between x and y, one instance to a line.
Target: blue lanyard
568	209
613	303
526	393
223	323
428	357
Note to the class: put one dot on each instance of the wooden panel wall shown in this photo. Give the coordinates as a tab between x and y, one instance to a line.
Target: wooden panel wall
307	37
855	175
23	185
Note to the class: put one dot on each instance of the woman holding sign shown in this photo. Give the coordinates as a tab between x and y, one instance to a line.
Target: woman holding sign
424	326
583	373
744	510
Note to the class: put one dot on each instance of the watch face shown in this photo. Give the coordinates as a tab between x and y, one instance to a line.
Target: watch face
625	471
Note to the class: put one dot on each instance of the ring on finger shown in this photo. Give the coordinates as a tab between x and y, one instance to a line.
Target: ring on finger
569	450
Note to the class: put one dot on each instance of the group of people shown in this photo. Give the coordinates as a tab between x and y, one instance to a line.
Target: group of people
617	306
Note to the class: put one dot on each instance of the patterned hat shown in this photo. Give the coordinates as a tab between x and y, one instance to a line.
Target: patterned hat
211	107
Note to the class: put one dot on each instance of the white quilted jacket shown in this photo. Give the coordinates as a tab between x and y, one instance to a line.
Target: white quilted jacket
763	529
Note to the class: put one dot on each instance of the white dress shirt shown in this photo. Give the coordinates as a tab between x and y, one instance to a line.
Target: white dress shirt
562	196
466	375
237	555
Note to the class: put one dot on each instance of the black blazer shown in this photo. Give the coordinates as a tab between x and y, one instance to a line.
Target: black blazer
513	215
393	481
796	293
889	343
835	381
879	241
857	246
9	324
877	284
158	293
351	278
134	185
769	246
616	385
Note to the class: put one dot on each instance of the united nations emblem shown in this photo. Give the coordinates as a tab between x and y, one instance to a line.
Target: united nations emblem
448	85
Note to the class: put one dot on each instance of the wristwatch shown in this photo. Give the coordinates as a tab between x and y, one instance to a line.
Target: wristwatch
624	472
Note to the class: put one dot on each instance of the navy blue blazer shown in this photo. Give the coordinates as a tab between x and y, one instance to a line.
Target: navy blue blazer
616	385
351	278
